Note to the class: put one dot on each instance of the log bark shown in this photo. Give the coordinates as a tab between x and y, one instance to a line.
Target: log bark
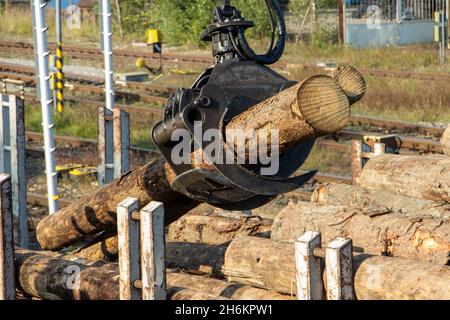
341	194
193	257
96	213
384	278
300	113
268	264
52	276
222	288
316	106
263	264
426	177
445	141
216	229
385	233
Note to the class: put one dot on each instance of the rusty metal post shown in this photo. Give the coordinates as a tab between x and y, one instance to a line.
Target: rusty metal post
18	166
339	269
7	274
105	146
153	266
341	30
128	247
308	267
121	142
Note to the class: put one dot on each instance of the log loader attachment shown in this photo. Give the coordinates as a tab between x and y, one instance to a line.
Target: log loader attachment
238	80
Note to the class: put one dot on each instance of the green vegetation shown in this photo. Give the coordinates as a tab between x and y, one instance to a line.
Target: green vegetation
81	121
181	22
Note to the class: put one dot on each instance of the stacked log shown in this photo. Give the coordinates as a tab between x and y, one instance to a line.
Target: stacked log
202	228
445	141
249	261
376	201
314	108
222	288
54	276
196	257
269	264
426	177
387	233
216	228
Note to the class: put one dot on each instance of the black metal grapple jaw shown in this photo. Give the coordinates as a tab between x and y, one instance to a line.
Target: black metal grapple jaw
222	92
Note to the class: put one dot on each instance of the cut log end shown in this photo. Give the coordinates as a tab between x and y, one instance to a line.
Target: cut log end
351	81
323	104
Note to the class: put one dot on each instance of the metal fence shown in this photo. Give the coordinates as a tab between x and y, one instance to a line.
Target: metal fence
358	11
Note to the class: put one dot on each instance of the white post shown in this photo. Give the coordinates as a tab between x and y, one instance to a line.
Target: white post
308	267
106	167
153	266
7	275
339	269
379	149
42	53
128	247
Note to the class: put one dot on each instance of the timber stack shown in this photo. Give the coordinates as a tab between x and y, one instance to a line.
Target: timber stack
397	219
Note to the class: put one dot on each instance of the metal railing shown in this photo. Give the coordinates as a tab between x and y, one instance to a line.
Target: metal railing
359	11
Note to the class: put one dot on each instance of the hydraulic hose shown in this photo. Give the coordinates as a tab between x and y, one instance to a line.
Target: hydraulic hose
274	53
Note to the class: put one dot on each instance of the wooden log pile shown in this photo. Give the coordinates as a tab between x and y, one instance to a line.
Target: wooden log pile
217	228
397	218
425	177
314	108
376	201
269	264
248	262
382	232
55	276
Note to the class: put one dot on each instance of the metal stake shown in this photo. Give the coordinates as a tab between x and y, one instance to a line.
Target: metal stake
12	160
7	274
106	166
43	78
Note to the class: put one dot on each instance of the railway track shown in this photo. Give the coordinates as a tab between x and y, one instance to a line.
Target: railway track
159	94
77	52
93	85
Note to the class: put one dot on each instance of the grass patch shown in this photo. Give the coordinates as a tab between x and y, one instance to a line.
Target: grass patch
76	121
81	121
327	161
413	58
